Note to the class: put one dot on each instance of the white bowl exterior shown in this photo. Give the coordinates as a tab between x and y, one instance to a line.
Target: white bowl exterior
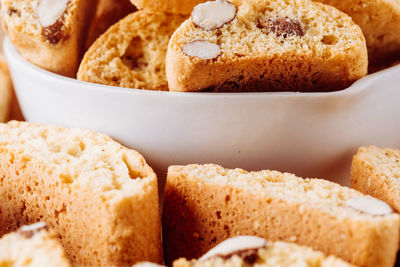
310	134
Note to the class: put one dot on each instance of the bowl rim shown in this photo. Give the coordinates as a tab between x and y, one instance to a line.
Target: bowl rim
10	51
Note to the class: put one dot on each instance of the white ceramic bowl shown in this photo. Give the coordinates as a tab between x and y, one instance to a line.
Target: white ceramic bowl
310	134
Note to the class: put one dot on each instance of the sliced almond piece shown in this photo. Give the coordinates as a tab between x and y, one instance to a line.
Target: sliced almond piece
202	49
49	11
369	205
235	244
213	14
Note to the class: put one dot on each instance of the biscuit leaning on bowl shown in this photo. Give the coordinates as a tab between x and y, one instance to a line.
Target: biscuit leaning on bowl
50	34
100	198
32	245
264	45
380	23
256	251
132	52
170	6
6	90
108	12
205	204
376	171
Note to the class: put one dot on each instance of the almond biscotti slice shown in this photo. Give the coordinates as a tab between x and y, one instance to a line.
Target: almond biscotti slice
265	45
100	198
33	246
132	52
376	172
205	204
256	251
108	12
170	6
380	23
51	34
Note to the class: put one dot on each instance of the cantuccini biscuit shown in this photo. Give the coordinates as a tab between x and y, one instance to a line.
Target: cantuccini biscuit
100	198
264	45
376	172
132	52
50	34
206	204
380	23
255	251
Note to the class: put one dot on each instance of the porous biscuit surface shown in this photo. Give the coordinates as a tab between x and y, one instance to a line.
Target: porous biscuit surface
273	254
100	197
132	52
376	171
205	204
380	23
40	249
322	49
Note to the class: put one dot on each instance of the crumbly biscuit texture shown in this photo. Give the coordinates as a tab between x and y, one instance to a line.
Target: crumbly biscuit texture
380	23
169	6
292	45
270	254
100	198
33	246
132	52
376	171
50	34
6	90
205	204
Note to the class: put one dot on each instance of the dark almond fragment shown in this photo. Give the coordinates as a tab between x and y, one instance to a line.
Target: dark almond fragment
283	26
213	14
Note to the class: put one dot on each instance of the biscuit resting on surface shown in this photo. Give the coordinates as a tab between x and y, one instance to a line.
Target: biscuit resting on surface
34	246
50	34
255	251
380	23
265	45
100	198
376	171
132	52
205	204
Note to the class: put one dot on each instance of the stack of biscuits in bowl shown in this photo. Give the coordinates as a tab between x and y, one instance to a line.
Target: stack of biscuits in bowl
217	46
77	197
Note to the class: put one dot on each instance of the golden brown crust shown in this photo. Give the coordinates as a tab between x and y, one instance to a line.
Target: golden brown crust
331	64
171	6
96	224
60	55
380	23
199	214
